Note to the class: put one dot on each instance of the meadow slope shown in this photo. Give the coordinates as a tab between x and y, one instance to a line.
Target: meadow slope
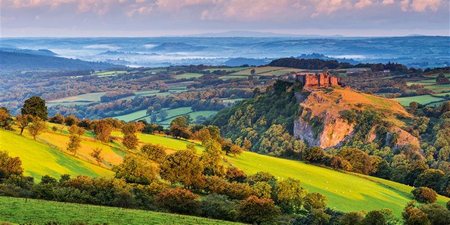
42	212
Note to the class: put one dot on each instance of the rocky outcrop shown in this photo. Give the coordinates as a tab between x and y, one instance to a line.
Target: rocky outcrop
320	122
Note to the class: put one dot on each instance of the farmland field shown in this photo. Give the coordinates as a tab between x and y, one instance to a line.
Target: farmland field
78	99
421	99
25	211
188	75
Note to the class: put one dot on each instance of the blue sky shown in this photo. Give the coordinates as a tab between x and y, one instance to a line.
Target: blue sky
79	18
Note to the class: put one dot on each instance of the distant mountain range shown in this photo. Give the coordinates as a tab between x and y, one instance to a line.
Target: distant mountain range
44	60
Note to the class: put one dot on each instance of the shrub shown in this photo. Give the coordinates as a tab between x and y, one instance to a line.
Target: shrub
262	189
378	217
257	210
314	154
219	207
289	195
235	174
238	190
136	170
351	218
178	200
183	166
424	194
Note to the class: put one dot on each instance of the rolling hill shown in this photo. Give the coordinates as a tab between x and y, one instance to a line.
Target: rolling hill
344	191
21	60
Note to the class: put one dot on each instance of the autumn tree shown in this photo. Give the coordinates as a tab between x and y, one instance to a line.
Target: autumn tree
5	119
102	130
424	194
36	127
178	200
23	121
136	170
97	155
74	144
179	127
156	153
76	130
35	106
9	165
314	201
130	139
258	210
289	195
183	166
212	159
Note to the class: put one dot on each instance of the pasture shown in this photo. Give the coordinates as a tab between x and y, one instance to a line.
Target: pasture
33	211
344	191
40	159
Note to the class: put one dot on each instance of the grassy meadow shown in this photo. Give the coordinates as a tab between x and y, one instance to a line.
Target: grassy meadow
42	212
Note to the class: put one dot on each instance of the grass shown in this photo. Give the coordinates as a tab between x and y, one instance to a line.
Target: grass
24	211
188	76
421	99
171	114
78	99
40	159
345	192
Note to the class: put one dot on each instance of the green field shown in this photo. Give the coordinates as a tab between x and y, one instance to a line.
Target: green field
24	211
344	191
188	76
110	73
171	114
39	159
421	99
78	99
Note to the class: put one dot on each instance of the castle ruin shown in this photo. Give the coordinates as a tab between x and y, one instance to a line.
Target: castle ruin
323	79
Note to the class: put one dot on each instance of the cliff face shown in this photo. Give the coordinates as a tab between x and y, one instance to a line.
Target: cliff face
321	123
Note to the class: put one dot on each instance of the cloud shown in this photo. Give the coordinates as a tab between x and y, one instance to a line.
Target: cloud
420	5
363	4
388	2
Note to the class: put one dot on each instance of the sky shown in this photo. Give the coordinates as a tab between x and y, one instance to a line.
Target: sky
130	18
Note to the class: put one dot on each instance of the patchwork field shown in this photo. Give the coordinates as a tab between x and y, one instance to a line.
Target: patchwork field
44	212
78	99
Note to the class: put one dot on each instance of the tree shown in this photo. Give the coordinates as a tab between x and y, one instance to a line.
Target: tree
430	178
71	120
379	217
262	189
340	163
76	130
424	194
414	216
219	207
9	166
156	153
23	121
74	144
289	195
179	127
257	210
235	174
314	201
130	141
436	213
35	106
36	127
136	170
212	159
183	166
314	154
5	119
58	118
97	155
360	161
351	218
102	130
178	200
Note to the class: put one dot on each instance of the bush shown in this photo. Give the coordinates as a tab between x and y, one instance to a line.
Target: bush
379	217
178	200
314	201
219	207
235	174
257	210
314	155
424	194
351	218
